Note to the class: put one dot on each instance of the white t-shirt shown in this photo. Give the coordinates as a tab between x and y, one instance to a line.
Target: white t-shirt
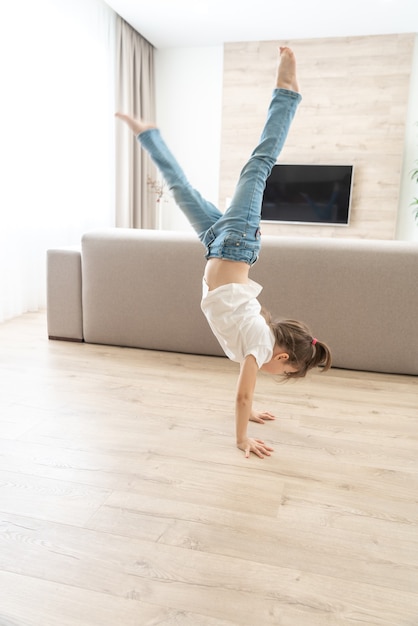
233	313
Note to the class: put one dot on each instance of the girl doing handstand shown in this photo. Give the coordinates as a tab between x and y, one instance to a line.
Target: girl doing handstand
232	241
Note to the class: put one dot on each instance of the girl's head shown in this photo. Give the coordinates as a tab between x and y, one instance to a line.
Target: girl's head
304	350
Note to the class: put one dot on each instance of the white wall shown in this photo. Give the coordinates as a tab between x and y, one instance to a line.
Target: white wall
189	114
407	228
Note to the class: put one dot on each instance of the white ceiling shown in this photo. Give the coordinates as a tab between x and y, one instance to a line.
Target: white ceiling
184	23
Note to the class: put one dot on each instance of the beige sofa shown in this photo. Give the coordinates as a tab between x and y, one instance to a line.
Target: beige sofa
142	288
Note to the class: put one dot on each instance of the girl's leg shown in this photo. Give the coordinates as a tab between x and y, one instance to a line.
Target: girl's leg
243	215
201	213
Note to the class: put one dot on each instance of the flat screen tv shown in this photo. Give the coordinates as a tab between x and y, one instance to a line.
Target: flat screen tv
308	194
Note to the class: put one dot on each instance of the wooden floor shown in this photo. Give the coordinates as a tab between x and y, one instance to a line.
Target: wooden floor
124	502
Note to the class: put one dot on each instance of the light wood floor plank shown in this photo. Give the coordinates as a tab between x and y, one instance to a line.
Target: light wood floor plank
71	606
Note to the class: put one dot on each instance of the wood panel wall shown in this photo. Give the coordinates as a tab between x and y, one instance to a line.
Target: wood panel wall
355	94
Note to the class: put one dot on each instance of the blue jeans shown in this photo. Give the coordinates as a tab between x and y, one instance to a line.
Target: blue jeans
235	234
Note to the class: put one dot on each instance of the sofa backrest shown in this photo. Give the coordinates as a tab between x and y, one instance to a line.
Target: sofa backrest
359	296
142	288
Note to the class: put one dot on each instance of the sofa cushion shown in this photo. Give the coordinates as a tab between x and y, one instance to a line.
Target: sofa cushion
142	288
360	296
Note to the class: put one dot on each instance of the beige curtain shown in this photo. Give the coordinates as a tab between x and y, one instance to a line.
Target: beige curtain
135	94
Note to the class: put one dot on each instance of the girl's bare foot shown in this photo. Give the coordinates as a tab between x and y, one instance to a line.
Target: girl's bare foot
286	74
136	126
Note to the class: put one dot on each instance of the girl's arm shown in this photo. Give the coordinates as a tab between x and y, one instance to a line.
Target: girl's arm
243	409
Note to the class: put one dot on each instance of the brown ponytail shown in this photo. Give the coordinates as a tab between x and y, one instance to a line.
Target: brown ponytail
305	351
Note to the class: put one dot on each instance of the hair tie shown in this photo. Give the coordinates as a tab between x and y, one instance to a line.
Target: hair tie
314	340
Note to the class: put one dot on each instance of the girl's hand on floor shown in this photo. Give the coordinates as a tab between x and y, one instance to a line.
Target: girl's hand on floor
256	446
261	417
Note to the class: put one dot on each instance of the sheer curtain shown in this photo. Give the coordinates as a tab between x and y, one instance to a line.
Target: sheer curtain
56	137
135	94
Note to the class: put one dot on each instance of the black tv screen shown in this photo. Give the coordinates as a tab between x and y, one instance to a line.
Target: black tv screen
308	194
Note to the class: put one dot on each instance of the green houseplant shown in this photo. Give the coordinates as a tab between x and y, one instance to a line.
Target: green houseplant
414	203
414	177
